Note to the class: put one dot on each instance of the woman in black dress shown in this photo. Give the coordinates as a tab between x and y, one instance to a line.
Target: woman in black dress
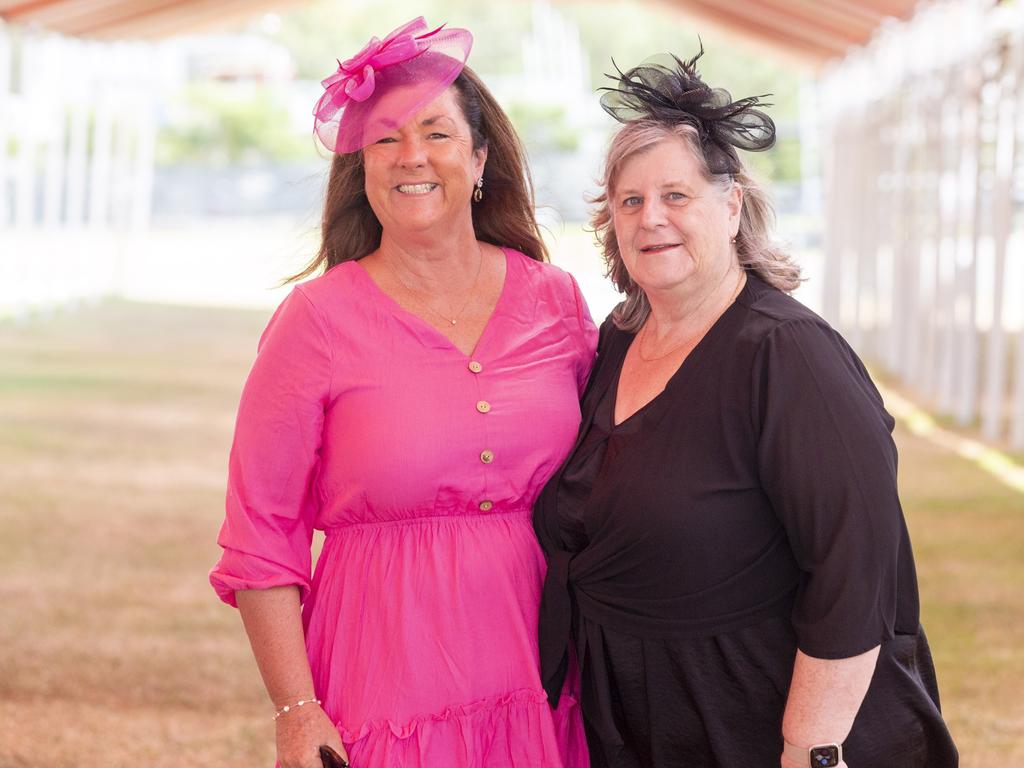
728	560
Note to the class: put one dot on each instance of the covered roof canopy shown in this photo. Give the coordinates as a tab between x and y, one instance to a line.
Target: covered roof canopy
121	19
813	30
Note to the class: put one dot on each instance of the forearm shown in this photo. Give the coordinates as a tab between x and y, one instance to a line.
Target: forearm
273	621
824	697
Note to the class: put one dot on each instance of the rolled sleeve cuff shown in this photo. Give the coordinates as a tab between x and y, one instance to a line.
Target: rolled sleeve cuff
237	570
831	646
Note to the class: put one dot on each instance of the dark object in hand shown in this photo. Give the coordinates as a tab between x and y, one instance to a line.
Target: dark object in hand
332	759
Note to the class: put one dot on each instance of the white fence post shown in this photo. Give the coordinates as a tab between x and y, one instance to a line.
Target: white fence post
100	170
1016	72
995	385
969	218
5	119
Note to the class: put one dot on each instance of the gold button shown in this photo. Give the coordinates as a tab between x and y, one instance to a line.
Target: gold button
485	506
483	406
475	367
486	456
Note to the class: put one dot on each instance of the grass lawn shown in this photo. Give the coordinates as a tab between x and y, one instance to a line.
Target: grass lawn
115	423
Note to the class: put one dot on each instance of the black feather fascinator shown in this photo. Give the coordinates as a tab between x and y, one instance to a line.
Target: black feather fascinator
666	89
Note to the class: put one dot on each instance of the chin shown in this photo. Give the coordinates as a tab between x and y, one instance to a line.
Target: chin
662	281
419	223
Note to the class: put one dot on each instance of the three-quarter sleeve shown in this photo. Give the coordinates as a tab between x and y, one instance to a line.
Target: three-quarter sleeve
587	337
827	463
271	498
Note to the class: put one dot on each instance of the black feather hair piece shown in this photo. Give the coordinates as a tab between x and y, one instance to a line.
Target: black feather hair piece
666	89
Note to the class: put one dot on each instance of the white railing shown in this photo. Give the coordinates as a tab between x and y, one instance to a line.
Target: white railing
76	164
924	250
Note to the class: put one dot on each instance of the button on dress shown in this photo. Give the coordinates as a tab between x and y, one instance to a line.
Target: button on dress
421	464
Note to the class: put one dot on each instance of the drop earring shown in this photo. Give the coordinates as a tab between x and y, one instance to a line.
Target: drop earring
478	193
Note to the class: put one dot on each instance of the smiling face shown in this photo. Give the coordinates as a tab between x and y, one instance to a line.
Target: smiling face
672	225
420	176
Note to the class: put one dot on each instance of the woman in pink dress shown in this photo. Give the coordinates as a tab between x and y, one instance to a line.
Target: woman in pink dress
410	402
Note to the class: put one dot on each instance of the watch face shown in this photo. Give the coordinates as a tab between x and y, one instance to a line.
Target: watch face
825	757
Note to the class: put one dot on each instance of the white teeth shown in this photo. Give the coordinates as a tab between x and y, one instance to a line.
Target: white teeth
415	189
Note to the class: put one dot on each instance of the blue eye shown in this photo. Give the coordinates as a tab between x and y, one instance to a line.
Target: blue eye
632	202
676	196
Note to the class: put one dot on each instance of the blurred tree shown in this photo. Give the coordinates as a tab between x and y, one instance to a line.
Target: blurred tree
627	30
222	124
543	127
326	30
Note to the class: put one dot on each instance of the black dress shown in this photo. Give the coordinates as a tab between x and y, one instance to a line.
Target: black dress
747	511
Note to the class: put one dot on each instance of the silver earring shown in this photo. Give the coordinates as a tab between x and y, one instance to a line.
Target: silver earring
478	193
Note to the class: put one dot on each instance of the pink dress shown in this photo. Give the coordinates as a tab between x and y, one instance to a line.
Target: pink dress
422	466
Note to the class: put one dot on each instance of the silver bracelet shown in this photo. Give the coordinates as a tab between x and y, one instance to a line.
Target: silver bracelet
288	707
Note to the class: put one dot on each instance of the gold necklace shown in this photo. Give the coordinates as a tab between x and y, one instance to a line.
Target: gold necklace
426	305
692	337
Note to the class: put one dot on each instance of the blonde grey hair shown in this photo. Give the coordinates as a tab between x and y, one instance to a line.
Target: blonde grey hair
754	248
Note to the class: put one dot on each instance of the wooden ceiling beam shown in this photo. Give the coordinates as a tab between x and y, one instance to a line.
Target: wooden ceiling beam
776	26
897	9
796	50
16	7
59	14
124	14
855	9
111	19
815	13
849	12
199	15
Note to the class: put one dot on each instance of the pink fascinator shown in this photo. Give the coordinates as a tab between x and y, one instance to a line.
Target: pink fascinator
384	85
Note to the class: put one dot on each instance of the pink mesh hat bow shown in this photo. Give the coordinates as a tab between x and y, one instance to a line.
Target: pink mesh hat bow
387	83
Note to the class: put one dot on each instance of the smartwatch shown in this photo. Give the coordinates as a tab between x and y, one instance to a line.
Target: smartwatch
816	756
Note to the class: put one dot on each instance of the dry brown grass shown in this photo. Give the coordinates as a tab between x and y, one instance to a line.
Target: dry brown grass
968	534
114	428
116	423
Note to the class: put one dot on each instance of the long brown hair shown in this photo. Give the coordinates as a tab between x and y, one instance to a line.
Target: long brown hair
754	247
504	217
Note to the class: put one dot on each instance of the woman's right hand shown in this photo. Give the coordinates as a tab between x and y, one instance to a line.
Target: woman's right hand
300	734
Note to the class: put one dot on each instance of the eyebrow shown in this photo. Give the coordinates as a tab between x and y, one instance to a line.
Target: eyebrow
629	191
391	125
435	118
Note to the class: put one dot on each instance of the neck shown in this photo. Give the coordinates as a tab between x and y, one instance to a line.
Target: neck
430	261
686	310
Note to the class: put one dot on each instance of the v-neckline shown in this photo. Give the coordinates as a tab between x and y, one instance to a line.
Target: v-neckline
431	329
677	374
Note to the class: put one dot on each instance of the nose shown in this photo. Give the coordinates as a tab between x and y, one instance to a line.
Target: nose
652	215
412	152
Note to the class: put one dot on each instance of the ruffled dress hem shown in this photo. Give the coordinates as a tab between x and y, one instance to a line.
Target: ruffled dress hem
513	729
